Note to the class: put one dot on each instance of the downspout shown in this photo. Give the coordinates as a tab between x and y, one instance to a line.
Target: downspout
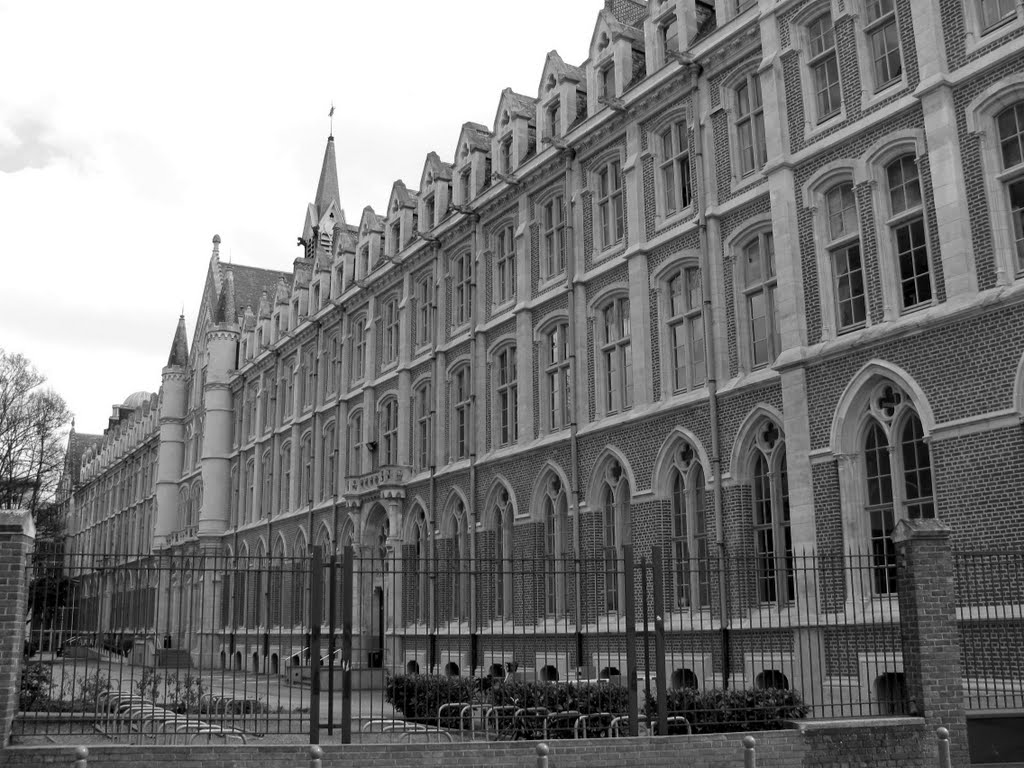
317	427
474	421
695	71
432	447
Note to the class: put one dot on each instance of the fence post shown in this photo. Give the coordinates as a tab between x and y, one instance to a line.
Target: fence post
661	684
749	758
943	735
634	699
17	532
347	586
316	578
542	755
316	756
929	629
81	757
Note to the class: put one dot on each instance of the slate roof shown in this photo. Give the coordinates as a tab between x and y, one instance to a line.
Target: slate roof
251	282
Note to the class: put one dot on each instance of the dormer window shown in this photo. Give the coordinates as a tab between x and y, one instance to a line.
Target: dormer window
364	260
396	236
669	34
466	184
554	119
608	81
428	212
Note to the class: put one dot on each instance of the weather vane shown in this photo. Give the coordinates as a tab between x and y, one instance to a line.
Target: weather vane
331	116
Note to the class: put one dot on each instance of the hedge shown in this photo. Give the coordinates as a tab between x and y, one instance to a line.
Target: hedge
717	711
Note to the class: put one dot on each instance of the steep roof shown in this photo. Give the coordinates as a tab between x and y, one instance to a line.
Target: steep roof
78	444
327	191
251	282
179	347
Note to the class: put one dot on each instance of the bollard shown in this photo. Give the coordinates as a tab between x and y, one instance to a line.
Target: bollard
316	756
749	759
81	757
542	755
943	735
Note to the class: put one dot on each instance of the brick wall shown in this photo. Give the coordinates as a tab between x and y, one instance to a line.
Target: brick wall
903	743
16	536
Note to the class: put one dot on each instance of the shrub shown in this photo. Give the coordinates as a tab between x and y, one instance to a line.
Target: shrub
585	698
418	697
183	694
148	684
716	711
35	687
90	687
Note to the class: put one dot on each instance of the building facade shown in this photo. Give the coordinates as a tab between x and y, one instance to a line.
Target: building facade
743	284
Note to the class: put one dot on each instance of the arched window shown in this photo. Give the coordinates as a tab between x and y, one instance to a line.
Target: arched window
773	540
388	449
614	499
462	294
461	399
674	168
306	470
759	311
555	358
1010	124
286	478
460	561
844	256
389	321
616	355
355	444
358	362
328	462
250	496
686	329
422	408
502	512
898	477
506	395
419	545
504	265
266	485
749	124
689	531
556	529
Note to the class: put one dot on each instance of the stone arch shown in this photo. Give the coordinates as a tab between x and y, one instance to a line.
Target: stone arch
499	484
739	469
550	470
608	457
676	439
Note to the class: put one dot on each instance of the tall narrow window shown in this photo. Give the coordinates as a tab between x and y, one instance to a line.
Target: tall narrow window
556	376
554	236
908	232
502	553
389	320
759	283
689	533
1010	124
607	81
306	471
675	167
355	444
286	477
611	214
422	414
686	330
617	355
466	184
773	540
507	393
328	463
844	256
615	524
333	363
887	63
359	348
668	31
309	359
824	65
266	478
460	563
505	265
750	124
555	530
996	12
554	118
423	316
462	273
388	450
461	393
286	391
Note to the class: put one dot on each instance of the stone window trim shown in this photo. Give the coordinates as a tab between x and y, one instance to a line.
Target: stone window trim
661	279
554	110
329	455
612	392
666	25
606	163
504	434
355	440
558	232
389	322
757	226
460	404
814	191
873	170
801	43
976	34
388	417
743	74
865	31
773	542
461	277
423	416
655	142
285	486
609	496
305	468
980	116
560	370
501	512
853	415
423	295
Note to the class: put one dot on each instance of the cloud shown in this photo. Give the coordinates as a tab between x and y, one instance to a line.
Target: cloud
25	143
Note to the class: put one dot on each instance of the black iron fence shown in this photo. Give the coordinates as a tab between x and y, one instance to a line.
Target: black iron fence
361	644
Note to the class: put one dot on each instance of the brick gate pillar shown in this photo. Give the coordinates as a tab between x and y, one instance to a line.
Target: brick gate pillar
930	634
17	534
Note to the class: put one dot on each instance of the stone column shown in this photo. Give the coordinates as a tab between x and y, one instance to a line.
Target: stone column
17	534
928	625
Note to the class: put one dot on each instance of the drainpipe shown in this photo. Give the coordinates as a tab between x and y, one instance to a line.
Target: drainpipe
473	511
432	447
311	491
695	71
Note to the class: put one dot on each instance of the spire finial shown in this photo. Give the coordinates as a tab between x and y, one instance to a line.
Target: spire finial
331	116
216	245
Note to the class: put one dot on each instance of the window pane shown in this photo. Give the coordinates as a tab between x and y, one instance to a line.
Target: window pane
912	256
1016	190
1010	123
849	278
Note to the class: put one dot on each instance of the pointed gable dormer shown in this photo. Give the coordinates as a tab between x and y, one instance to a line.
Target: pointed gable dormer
325	212
435	192
617	59
346	246
225	312
401	219
515	132
471	172
179	346
370	244
561	97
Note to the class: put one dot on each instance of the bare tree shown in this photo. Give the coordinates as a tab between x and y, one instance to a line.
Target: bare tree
32	422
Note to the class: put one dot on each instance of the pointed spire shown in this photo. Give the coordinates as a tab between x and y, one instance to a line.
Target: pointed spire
327	189
179	347
226	312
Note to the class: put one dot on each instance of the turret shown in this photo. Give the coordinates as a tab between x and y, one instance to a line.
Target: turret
172	437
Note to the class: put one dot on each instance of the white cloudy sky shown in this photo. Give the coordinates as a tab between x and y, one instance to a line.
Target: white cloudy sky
131	132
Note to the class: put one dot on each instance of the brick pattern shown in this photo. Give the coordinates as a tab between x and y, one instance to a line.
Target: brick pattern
14	552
